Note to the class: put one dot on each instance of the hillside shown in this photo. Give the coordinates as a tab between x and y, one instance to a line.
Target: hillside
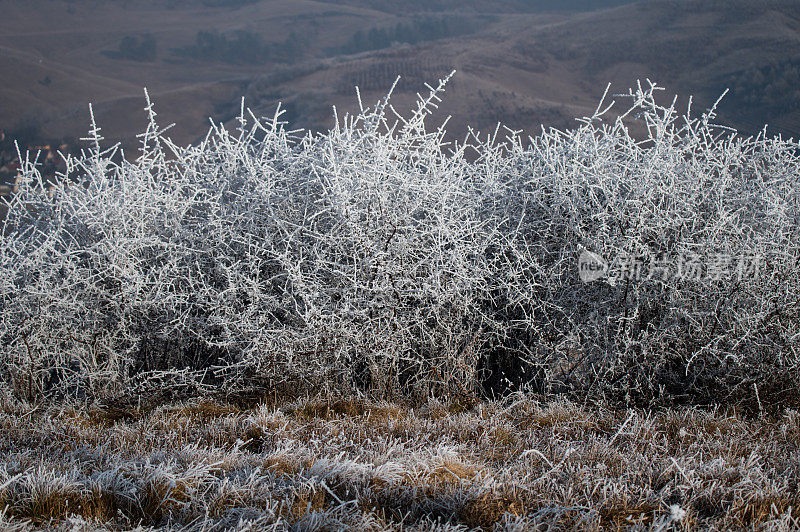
527	65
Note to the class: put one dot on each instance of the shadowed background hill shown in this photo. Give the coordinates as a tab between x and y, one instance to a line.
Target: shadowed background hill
525	63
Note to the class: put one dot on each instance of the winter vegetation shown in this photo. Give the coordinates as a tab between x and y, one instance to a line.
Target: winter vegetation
133	49
348	464
142	301
420	29
244	47
373	258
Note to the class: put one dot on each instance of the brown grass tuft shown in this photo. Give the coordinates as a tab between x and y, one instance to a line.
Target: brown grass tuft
624	515
307	500
206	409
100	505
761	509
326	410
490	508
43	502
453	471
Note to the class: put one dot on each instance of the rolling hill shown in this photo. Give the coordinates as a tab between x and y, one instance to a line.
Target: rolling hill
527	64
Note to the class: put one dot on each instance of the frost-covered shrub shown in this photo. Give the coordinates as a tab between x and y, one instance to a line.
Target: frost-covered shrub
712	221
377	256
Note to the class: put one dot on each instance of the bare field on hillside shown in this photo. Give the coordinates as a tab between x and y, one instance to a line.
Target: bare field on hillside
324	464
547	65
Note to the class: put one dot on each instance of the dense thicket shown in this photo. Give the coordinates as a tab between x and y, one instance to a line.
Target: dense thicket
243	47
773	87
420	29
374	257
135	48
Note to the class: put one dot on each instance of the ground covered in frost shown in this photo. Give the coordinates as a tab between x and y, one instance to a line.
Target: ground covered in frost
324	464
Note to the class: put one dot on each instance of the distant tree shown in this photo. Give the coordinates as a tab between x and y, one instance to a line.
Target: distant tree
147	48
418	30
133	49
770	87
243	47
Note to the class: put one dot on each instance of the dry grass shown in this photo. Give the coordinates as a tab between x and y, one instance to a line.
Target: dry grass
351	463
